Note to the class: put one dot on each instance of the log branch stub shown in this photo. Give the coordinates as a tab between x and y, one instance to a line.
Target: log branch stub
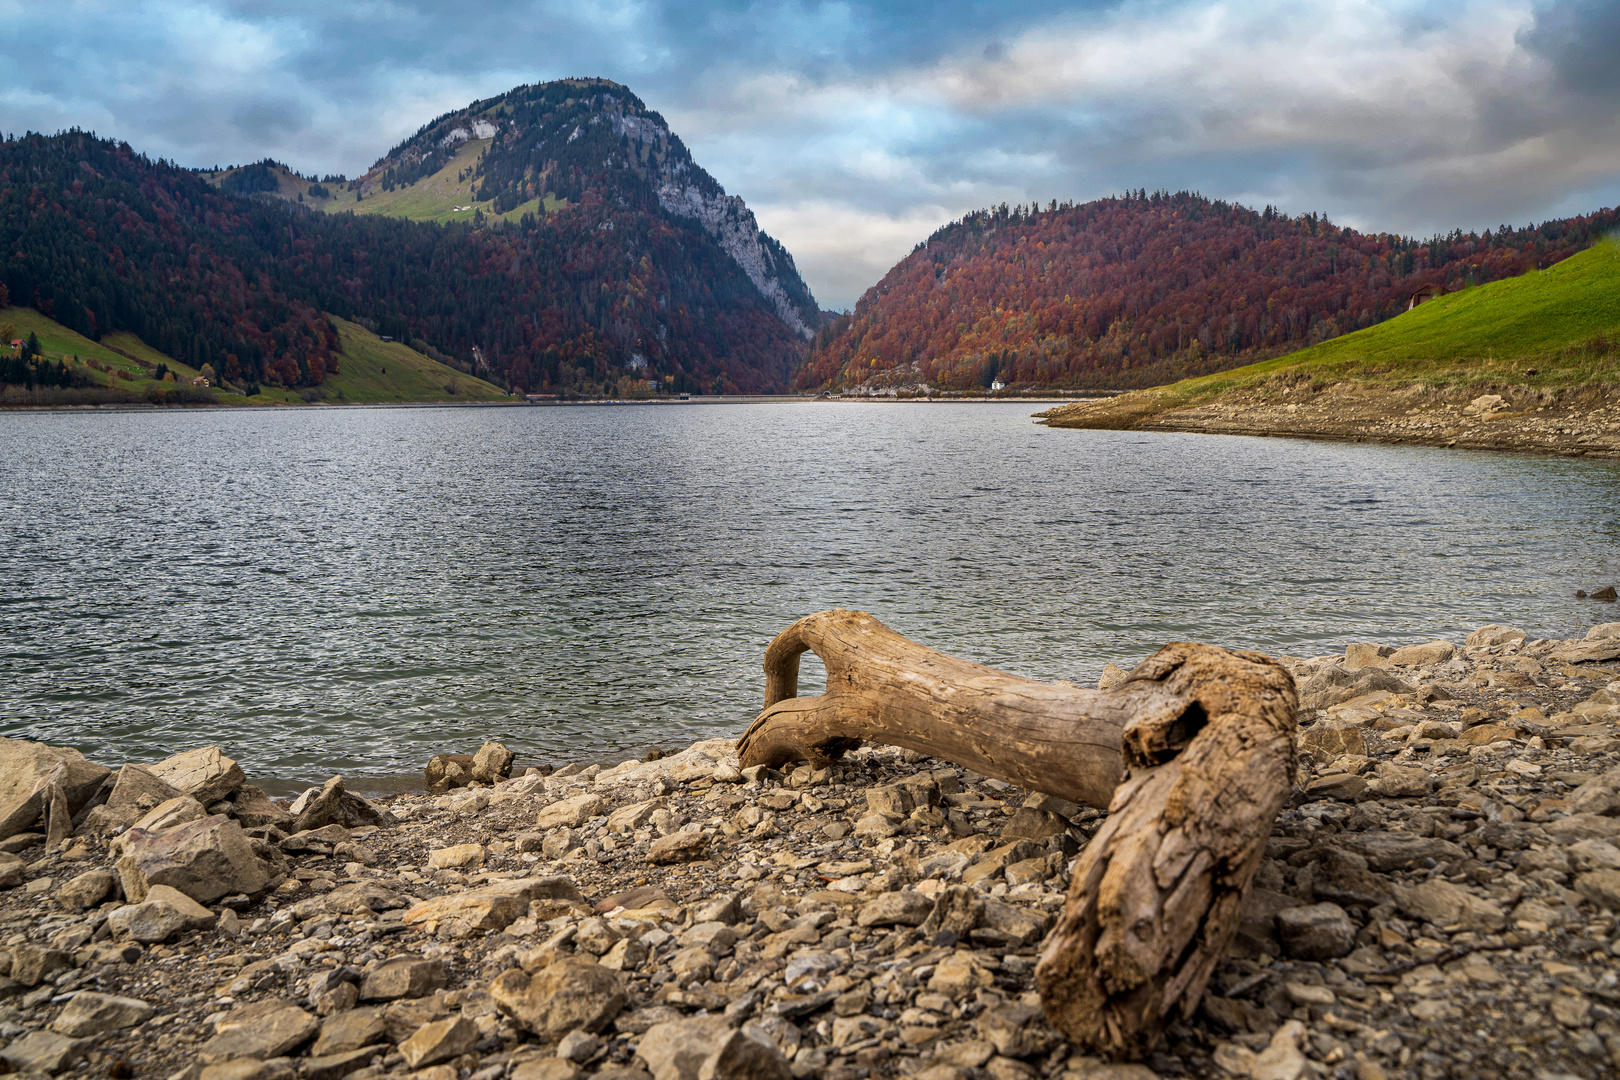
1192	755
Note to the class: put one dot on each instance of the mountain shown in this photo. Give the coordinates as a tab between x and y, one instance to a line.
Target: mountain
1526	363
1145	289
602	262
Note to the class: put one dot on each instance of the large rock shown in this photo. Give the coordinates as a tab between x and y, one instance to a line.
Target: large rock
904	907
1495	634
1328	740
1391	851
709	1048
1316	931
446	771
93	1014
439	1040
45	1052
568	994
1018	1030
1601	887
264	1029
1444	904
205	774
403	977
87	890
255	810
1425	655
688	846
166	815
1591	651
332	804
492	907
138	788
26	771
206	860
351	1030
1604	631
492	763
164	913
1333	685
572	811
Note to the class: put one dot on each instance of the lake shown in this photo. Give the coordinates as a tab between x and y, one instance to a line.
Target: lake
328	590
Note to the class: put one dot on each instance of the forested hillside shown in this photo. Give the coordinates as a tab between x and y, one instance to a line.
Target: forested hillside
1146	289
609	291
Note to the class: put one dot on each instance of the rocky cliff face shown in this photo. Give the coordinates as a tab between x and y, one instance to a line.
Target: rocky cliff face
575	136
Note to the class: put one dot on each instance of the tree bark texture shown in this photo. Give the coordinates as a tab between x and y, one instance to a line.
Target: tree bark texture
1202	738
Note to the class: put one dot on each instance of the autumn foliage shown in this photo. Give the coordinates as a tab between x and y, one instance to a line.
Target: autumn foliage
1146	289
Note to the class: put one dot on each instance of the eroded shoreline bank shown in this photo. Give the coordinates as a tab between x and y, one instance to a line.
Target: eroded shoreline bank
1439	899
1579	423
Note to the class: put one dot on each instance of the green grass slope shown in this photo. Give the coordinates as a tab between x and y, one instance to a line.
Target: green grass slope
1553	328
370	370
435	197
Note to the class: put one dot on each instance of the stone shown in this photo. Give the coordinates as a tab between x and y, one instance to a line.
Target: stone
256	810
627	954
1001	923
569	993
164	913
403	977
33	964
1604	631
1365	654
205	774
1425	655
28	768
170	814
1393	851
1316	931
335	1066
246	1069
634	816
87	890
492	763
456	857
578	1046
1346	787
138	789
1444	904
1028	823
492	907
1017	1030
1282	1059
1495	634
709	1048
546	1068
439	1041
1112	676
1326	740
264	1029
332	804
446	771
902	908
571	812
957	909
45	1052
1599	650
13	871
354	898
1401	781
679	847
1601	887
94	1014
205	859
959	975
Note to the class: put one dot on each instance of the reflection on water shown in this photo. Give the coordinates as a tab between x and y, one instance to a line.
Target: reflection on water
327	590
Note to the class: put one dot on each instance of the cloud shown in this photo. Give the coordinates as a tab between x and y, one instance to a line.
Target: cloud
854	129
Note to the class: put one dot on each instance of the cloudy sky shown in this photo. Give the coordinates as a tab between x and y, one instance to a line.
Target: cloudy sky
855	129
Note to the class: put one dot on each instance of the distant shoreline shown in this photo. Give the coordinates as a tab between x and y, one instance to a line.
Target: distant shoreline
737	399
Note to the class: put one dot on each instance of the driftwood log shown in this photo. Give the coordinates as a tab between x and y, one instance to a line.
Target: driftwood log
1192	756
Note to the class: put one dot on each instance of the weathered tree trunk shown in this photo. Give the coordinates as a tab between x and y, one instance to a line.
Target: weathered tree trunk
1201	736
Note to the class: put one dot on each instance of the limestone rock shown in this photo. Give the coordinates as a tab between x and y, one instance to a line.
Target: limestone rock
256	810
1028	823
205	859
571	812
205	774
678	847
1400	781
1017	1030
403	977
569	993
264	1029
26	771
1366	654
351	1030
164	913
1604	631
1494	634
446	771
1444	904
1316	931
171	813
709	1048
92	1014
1601	887
457	857
332	804
1112	675
13	871
33	964
87	890
903	908
492	907
1001	923
439	1041
1327	740
492	763
1425	655
45	1052
136	787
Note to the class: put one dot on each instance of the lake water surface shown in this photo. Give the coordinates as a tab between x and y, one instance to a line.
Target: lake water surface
353	590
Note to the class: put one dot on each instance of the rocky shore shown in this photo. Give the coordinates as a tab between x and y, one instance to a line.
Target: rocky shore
1576	423
1440	899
